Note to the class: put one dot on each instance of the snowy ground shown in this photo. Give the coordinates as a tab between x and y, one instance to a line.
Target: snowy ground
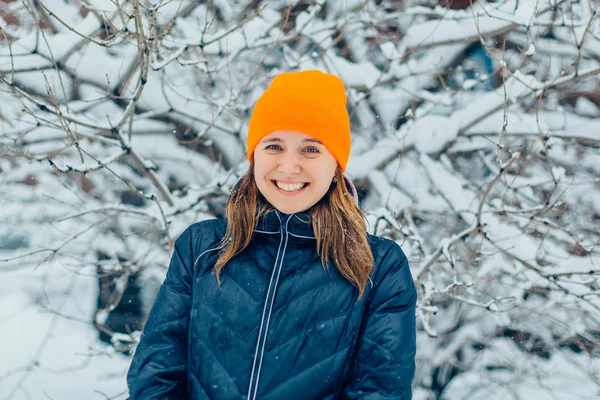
45	355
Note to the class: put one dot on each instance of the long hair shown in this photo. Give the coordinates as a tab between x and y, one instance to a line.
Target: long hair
338	223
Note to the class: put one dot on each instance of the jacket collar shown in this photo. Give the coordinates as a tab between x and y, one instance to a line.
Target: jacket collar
298	225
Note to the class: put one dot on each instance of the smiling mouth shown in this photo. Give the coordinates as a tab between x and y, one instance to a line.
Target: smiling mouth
290	187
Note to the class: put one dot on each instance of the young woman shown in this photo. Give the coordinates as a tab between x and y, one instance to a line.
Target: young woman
289	298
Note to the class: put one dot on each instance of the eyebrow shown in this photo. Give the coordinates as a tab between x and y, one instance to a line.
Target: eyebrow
276	139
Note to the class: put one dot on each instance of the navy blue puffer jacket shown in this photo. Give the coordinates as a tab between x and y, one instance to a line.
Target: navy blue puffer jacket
280	326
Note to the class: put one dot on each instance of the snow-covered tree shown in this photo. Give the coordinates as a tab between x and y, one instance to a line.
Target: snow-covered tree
476	137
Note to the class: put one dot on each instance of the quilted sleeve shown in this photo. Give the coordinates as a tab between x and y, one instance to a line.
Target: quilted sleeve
383	366
159	366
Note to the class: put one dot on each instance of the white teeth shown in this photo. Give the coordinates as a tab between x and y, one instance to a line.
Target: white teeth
290	187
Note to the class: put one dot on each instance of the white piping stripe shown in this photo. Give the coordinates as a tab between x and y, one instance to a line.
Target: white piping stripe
206	251
263	317
293	234
270	233
271	309
303	237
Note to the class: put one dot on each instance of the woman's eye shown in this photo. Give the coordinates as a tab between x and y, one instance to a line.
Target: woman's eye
273	147
311	149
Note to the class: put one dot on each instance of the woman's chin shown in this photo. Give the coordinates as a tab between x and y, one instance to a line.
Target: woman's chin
288	206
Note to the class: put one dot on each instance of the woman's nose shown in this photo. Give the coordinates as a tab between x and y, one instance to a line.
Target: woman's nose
289	163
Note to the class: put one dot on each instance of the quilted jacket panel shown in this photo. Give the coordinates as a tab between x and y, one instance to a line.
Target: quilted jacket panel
317	340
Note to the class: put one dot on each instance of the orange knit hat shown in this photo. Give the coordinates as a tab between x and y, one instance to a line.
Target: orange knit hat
310	102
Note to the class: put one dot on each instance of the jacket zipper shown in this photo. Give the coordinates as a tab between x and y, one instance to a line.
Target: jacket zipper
266	316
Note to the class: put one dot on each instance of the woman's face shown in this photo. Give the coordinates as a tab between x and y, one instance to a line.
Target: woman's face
292	170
